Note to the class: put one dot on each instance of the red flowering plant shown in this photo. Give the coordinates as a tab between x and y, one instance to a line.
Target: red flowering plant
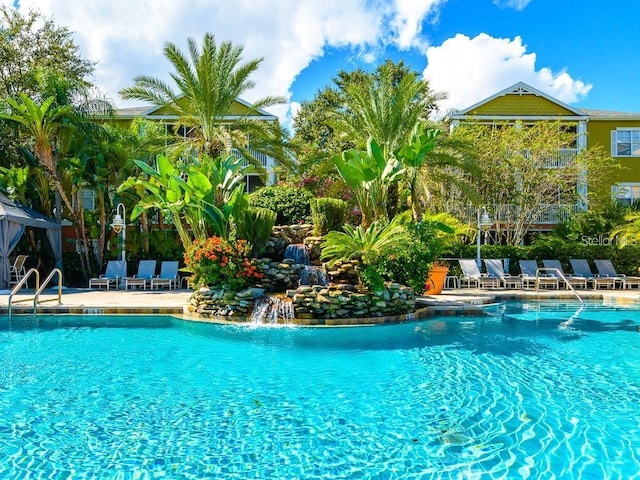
218	262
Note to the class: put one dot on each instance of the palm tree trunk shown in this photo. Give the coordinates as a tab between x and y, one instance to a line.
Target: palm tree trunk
78	223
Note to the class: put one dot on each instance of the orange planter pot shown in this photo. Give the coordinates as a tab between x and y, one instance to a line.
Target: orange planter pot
435	282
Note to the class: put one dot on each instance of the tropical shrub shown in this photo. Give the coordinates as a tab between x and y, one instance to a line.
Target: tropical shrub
255	225
218	262
365	245
593	223
370	175
410	262
327	214
200	197
290	204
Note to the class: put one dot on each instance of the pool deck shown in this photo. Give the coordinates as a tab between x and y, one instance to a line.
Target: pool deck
450	302
92	301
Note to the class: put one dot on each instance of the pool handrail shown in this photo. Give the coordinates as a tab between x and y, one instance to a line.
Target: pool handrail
19	285
560	275
44	285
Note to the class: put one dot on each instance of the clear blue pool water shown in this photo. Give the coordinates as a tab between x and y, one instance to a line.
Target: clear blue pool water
526	392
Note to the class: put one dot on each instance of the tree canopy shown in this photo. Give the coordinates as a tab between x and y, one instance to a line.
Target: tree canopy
527	172
208	80
35	56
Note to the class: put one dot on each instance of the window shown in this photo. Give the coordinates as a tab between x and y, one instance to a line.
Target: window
626	193
88	199
625	142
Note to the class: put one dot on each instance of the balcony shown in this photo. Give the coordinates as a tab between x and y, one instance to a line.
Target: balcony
566	157
549	214
265	161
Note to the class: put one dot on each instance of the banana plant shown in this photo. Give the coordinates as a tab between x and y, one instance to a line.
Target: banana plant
413	156
14	181
226	174
160	189
370	175
211	205
200	197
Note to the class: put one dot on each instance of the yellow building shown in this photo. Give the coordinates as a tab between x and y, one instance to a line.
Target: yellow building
616	132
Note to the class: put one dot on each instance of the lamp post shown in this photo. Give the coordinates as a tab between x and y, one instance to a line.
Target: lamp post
119	224
484	224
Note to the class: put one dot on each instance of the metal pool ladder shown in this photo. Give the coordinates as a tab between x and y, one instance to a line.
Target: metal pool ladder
564	279
39	289
567	323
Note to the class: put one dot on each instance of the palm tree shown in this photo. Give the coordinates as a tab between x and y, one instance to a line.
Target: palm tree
44	125
209	81
386	106
628	232
364	244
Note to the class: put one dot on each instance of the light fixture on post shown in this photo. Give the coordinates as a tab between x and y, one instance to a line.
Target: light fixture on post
119	224
484	224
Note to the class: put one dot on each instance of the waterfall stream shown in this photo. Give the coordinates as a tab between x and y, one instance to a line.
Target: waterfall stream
270	308
310	274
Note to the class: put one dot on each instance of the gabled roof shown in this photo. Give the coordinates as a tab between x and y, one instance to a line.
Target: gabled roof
521	89
610	114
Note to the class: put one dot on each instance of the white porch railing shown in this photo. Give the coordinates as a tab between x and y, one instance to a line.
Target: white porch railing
550	214
557	213
265	160
566	157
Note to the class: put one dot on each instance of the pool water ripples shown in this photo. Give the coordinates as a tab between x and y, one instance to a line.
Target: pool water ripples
504	396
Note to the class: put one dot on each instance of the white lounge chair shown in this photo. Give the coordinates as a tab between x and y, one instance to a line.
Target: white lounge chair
168	276
146	271
606	269
555	269
581	267
111	276
495	268
532	277
471	275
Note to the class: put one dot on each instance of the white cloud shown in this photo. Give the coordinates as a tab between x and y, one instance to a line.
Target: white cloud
125	37
471	69
407	21
515	4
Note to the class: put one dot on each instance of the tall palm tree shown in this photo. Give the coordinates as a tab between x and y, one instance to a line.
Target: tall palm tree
208	81
386	106
44	125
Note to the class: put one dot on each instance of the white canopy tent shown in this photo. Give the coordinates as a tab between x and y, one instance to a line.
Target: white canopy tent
14	218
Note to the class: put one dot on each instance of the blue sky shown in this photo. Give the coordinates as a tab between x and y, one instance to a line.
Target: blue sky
591	43
583	52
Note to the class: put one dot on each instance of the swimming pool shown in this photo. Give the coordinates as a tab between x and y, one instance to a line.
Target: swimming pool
519	393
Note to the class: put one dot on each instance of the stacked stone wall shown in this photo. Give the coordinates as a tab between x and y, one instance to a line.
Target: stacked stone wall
343	272
333	302
283	235
217	302
278	276
344	301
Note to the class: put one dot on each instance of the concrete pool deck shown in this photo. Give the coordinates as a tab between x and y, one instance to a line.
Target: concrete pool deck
92	301
450	302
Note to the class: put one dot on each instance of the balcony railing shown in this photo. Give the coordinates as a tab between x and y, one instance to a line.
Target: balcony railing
549	214
265	160
566	157
557	213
